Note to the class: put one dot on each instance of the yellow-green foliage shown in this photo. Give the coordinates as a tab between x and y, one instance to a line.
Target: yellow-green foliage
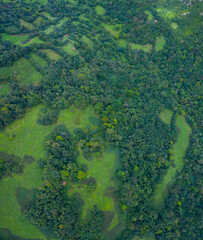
166	116
160	42
51	54
38	21
149	15
174	25
24	71
26	25
145	48
100	10
113	29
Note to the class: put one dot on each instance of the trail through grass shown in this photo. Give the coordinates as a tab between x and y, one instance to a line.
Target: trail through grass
23	70
166	116
179	150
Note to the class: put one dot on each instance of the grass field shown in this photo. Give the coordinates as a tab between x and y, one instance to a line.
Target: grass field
100	10
25	72
38	21
26	25
69	49
50	28
48	15
174	25
160	42
29	140
4	89
179	149
122	43
88	41
16	39
51	54
149	16
38	60
145	48
98	168
166	116
112	29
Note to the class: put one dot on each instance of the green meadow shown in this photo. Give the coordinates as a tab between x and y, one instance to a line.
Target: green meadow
160	42
38	60
100	10
88	41
145	48
69	49
166	116
24	71
122	43
4	89
26	25
22	137
38	21
179	150
98	168
51	54
112	29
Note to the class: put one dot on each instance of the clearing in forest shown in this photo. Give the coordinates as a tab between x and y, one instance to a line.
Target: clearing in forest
122	43
70	49
160	42
88	41
26	25
113	29
18	39
25	137
100	10
145	48
179	150
4	89
38	60
149	16
166	116
38	21
48	15
174	25
21	70
51	54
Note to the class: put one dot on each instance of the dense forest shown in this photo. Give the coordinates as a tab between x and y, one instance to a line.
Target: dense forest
101	119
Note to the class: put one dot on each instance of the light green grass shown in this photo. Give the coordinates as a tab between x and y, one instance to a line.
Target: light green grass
174	25
100	10
166	13
38	21
51	28
74	2
145	48
16	39
4	89
82	17
51	54
166	116
29	140
48	15
160	42
88	41
11	29
98	168
38	60
25	72
69	49
26	25
179	149
112	29
122	43
149	16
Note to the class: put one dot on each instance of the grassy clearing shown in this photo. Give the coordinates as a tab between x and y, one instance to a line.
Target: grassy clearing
145	48
112	29
149	16
11	29
29	140
98	168
160	42
174	25
122	43
38	60
179	149
17	39
166	13
100	10
166	116
24	71
51	28
51	54
4	89
88	41
38	21
48	15
69	49
74	2
26	25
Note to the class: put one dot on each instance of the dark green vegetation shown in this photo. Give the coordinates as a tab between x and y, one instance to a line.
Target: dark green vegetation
100	118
